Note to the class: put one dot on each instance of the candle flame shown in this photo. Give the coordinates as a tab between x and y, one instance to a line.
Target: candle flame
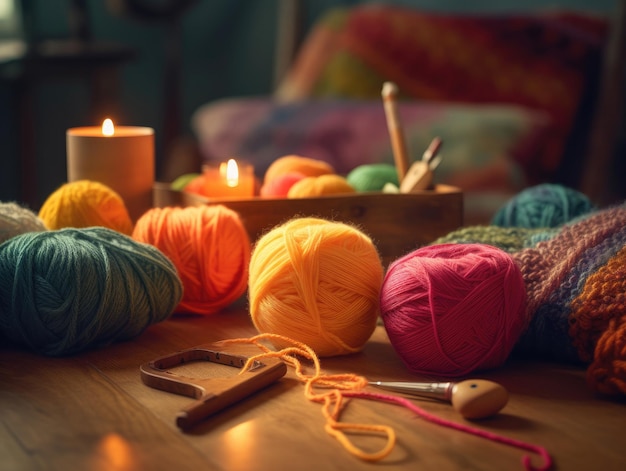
232	173
107	127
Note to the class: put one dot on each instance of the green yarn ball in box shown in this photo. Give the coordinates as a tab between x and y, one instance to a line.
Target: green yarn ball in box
372	177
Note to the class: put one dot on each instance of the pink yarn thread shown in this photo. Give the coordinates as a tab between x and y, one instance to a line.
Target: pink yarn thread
541	451
451	309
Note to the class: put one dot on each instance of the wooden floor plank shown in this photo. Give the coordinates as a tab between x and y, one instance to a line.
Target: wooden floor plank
92	412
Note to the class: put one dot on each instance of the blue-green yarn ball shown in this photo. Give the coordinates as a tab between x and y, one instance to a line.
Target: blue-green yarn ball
372	177
546	205
65	291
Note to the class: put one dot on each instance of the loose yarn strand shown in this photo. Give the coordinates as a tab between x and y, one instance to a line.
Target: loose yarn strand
332	401
541	451
348	385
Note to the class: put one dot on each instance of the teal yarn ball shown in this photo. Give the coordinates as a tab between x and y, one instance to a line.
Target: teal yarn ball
543	206
372	177
65	291
16	219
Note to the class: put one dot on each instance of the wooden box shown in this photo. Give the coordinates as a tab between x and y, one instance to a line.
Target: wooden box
397	223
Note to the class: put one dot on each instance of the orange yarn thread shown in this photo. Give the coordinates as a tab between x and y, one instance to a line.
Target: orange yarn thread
210	248
332	391
85	203
325	389
318	282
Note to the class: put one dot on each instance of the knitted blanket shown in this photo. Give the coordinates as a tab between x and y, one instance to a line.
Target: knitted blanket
543	60
575	277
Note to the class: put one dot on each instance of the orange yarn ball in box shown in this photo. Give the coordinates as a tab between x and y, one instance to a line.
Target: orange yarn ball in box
297	164
210	248
317	282
86	203
320	186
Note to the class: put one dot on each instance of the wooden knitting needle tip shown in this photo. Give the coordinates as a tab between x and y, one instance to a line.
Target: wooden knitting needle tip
432	150
396	132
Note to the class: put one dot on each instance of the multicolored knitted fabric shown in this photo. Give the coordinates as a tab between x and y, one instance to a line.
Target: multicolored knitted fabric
575	278
542	60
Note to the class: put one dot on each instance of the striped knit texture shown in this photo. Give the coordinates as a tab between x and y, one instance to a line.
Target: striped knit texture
575	278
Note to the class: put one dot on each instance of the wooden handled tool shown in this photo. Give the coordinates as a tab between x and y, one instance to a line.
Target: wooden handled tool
212	394
472	398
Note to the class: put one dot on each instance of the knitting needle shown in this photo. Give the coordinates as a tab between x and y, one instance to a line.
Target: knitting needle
472	398
396	133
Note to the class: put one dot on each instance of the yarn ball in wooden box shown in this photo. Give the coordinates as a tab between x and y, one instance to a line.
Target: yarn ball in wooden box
86	203
279	186
210	248
297	164
373	177
330	184
318	282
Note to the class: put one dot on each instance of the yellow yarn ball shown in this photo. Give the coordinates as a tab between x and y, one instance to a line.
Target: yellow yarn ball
86	203
320	186
317	282
297	164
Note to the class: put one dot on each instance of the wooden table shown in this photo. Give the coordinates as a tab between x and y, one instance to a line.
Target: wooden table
92	412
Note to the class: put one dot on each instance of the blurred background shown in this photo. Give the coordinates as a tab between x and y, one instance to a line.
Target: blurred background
157	61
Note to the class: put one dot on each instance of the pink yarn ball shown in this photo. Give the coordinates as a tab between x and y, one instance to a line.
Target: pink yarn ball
279	186
451	309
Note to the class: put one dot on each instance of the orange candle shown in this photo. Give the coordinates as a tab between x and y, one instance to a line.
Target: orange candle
121	157
229	180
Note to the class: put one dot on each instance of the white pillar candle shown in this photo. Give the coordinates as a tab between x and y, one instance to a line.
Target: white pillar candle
121	158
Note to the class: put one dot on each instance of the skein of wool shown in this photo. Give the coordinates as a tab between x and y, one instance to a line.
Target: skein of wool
65	291
16	220
317	282
330	184
209	246
545	205
452	309
86	203
373	177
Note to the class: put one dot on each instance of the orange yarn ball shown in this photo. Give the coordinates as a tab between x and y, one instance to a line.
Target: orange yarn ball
297	164
86	203
210	248
320	186
317	282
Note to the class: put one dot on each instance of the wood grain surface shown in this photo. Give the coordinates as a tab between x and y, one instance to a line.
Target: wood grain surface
92	412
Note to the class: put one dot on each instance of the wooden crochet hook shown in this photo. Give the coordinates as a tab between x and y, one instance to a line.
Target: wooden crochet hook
211	394
472	398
